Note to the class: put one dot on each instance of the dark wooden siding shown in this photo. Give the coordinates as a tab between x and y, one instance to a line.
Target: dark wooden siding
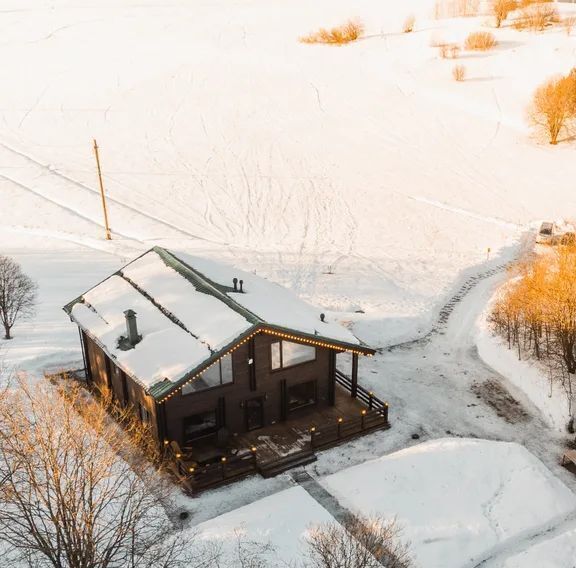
126	391
261	382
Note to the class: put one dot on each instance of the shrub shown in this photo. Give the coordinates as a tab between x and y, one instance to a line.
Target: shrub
456	8
449	50
480	41
553	106
345	33
459	72
501	9
535	16
409	24
568	23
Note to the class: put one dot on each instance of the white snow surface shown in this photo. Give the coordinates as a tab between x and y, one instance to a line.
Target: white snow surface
363	178
458	499
281	520
459	502
559	551
272	303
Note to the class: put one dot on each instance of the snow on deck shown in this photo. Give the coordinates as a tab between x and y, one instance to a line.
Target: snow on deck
269	301
165	352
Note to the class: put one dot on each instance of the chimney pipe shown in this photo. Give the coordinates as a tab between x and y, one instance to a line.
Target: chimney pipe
235	282
241	285
322	316
131	327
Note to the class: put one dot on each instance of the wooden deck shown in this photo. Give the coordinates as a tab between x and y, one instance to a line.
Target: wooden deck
285	438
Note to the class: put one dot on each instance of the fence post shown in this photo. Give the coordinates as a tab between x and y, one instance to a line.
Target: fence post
363	415
312	435
386	411
370	399
339	427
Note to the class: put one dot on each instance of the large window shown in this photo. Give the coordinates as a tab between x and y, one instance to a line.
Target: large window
287	354
218	374
199	425
301	395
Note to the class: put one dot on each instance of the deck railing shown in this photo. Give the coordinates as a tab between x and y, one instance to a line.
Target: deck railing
196	477
367	397
371	418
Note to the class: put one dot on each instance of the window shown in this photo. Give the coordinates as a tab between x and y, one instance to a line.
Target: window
287	354
199	425
218	374
301	395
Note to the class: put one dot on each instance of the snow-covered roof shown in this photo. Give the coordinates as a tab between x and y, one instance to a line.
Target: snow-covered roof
189	315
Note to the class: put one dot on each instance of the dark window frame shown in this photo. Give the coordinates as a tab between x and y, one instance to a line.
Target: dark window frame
204	433
282	367
306	405
221	385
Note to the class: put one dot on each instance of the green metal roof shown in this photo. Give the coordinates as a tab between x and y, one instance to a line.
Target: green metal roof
205	285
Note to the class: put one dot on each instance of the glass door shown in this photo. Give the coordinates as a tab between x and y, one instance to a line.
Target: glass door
254	413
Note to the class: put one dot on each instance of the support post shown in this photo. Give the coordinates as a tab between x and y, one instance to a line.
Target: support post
252	365
102	194
354	389
332	378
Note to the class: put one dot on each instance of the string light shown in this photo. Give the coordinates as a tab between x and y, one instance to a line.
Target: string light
268	331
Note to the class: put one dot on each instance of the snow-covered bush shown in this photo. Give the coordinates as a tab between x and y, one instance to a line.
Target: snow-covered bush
345	33
480	41
459	72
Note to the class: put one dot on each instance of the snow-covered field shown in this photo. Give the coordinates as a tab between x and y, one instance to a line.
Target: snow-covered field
363	177
460	502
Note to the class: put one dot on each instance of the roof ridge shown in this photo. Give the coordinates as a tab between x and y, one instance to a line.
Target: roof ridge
175	320
196	277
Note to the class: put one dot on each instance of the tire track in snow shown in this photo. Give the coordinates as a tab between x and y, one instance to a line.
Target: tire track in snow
89	189
464	212
441	321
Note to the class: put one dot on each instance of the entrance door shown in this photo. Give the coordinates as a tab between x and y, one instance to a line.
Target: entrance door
254	413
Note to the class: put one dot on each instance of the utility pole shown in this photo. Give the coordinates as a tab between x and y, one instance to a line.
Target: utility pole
107	227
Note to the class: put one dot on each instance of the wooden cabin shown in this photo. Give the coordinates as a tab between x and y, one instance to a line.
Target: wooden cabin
206	353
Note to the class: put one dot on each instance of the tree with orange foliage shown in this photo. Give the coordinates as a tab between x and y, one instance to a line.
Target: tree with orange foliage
553	106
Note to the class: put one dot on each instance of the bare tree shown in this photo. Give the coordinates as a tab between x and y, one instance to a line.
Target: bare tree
75	492
359	542
554	106
17	294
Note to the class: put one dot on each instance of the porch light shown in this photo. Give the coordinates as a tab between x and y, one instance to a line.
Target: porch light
253	449
313	429
223	459
191	470
363	412
178	456
340	420
166	442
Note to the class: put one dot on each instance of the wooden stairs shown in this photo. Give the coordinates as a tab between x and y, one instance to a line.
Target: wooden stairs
280	465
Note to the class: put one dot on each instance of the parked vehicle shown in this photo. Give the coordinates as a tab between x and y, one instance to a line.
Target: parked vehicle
546	233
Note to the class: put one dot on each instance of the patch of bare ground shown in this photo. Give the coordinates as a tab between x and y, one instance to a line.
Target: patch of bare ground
503	403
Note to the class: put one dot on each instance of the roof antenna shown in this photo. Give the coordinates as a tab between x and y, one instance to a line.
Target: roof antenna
322	317
235	282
